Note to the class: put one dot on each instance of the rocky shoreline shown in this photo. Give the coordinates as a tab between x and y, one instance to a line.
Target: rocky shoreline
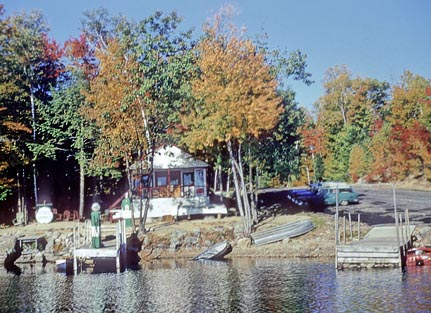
182	239
187	238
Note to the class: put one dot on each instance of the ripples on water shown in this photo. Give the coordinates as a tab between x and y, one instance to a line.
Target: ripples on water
243	285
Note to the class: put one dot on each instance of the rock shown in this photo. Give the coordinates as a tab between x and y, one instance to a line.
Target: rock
178	233
218	229
197	232
175	244
244	242
39	257
7	244
190	241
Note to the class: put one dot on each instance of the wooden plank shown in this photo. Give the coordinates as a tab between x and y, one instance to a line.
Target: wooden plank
367	255
377	249
368	261
95	253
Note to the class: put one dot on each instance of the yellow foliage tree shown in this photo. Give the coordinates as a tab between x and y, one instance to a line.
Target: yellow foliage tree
236	100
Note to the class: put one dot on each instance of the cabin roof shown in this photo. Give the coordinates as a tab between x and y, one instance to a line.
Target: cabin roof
173	157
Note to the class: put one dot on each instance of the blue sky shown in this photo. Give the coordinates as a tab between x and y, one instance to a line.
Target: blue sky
373	38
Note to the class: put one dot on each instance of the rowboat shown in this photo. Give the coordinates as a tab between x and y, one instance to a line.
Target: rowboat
215	252
281	232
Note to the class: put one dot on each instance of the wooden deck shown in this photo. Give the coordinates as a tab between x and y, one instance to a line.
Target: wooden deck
383	246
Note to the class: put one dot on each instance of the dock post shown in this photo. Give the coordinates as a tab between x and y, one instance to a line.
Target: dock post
407	223
344	227
117	245
337	235
350	227
359	226
75	263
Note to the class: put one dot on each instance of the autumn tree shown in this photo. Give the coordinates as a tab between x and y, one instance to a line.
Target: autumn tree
111	94
405	147
347	112
142	82
236	100
30	65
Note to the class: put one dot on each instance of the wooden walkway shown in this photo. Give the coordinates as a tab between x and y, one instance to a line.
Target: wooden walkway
109	252
383	246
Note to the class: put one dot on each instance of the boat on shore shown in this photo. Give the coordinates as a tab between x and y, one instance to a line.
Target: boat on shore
419	256
281	232
215	252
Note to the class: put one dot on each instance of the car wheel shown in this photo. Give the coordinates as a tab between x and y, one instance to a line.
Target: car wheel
344	202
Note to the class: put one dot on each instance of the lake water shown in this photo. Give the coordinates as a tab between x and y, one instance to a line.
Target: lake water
241	285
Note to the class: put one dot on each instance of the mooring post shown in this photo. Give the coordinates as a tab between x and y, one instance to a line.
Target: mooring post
344	227
337	235
359	226
407	223
117	245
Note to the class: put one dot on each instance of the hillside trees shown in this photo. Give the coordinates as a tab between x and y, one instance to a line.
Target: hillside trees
372	132
402	146
347	114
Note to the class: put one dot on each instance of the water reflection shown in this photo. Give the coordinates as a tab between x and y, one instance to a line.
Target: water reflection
241	285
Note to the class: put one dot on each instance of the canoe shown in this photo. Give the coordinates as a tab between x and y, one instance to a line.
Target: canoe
281	232
215	252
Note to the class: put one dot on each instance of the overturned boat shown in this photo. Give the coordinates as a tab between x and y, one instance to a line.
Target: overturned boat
281	232
215	252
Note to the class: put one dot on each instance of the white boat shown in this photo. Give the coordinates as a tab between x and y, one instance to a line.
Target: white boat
215	252
281	232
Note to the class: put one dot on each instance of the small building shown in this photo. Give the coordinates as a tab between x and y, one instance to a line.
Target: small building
177	187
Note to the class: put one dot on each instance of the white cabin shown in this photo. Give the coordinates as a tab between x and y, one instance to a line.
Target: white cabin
178	186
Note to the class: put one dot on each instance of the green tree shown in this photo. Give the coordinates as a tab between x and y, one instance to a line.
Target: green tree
347	113
143	81
30	66
64	130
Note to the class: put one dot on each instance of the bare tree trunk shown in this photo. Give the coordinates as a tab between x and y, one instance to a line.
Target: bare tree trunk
221	180
252	190
237	187
215	179
81	188
228	180
33	116
244	195
143	215
130	180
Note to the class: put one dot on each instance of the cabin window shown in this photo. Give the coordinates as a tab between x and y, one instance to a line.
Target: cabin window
161	178
188	179
200	179
175	178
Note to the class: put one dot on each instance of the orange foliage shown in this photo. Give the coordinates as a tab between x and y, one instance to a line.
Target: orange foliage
236	93
115	108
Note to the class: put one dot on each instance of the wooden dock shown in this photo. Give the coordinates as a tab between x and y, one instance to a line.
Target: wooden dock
107	258
383	246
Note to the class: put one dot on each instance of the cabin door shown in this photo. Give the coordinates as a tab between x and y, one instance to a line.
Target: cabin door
200	182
